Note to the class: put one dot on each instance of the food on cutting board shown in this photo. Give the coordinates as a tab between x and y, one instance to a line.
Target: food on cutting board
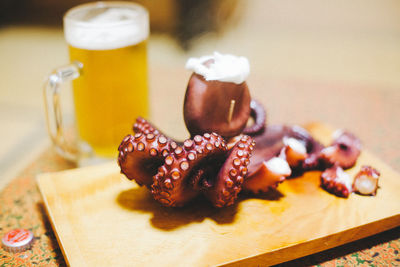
224	154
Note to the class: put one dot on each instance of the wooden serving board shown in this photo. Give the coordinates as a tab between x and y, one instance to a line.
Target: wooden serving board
102	219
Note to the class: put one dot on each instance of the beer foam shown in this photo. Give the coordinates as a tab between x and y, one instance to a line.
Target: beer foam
224	68
103	28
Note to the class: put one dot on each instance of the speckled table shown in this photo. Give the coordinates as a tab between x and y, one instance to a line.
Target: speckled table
372	113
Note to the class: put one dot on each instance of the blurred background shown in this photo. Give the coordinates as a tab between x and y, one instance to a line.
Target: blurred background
332	45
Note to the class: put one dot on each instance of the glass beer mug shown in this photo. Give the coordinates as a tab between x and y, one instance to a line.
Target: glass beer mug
107	49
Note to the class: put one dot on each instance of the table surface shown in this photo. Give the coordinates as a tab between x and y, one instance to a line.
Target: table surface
333	65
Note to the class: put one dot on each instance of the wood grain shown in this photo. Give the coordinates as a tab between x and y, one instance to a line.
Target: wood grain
102	219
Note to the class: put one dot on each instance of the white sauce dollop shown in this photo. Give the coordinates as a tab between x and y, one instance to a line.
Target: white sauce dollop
226	68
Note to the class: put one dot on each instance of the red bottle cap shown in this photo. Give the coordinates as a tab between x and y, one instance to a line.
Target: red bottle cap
17	240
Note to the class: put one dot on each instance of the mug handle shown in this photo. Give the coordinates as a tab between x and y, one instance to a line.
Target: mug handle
51	93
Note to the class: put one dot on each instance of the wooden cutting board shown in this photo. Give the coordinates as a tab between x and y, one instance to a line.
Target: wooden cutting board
102	219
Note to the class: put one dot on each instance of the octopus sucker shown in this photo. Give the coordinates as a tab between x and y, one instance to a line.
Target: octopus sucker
229	180
140	155
366	181
143	126
336	181
173	186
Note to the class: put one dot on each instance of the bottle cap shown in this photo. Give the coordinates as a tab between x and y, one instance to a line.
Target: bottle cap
17	240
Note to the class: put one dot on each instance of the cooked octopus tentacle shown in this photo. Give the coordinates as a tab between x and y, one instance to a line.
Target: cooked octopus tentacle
228	183
141	154
172	186
257	112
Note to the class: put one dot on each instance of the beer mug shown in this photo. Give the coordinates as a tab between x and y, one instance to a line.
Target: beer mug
107	47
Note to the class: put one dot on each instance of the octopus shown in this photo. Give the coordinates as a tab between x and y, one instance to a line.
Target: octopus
336	181
231	149
343	151
339	183
282	151
176	174
219	169
366	181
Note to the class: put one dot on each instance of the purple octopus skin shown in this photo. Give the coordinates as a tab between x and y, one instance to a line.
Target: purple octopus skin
204	164
336	181
141	154
344	150
177	174
208	107
270	143
224	190
259	116
171	185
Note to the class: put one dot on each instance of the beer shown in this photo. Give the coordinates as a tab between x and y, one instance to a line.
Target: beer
112	89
